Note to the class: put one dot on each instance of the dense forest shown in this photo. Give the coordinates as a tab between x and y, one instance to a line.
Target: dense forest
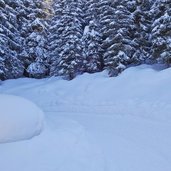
69	37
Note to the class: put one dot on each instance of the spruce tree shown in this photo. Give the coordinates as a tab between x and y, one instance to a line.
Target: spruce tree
69	29
161	31
92	51
10	42
118	33
92	38
54	40
33	32
142	21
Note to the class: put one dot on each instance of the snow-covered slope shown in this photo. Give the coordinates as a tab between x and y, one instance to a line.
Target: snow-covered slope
20	119
96	123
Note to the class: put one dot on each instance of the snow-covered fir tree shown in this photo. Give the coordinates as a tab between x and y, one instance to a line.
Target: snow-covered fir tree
10	41
54	37
92	51
33	32
106	19
92	38
118	34
69	29
161	31
142	20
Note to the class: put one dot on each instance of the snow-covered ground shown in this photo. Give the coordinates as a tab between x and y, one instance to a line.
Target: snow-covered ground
96	123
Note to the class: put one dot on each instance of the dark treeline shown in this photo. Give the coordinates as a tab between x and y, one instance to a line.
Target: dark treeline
69	37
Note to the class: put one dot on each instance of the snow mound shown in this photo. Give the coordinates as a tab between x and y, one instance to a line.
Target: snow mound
20	119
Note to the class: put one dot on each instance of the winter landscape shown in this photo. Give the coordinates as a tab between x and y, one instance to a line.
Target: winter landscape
85	85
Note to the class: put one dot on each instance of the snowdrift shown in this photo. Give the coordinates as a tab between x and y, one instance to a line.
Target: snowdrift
20	119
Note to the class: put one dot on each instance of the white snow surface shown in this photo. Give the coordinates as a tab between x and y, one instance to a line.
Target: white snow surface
20	119
96	123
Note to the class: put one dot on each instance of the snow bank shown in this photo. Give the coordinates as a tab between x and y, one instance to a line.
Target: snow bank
20	119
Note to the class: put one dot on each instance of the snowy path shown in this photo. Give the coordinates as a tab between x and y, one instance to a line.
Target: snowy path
88	130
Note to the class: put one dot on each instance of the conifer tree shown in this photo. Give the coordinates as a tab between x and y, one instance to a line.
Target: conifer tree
161	31
54	37
118	33
142	21
92	51
69	61
92	38
10	42
33	32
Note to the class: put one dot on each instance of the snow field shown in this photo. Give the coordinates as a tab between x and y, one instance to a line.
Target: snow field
96	123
